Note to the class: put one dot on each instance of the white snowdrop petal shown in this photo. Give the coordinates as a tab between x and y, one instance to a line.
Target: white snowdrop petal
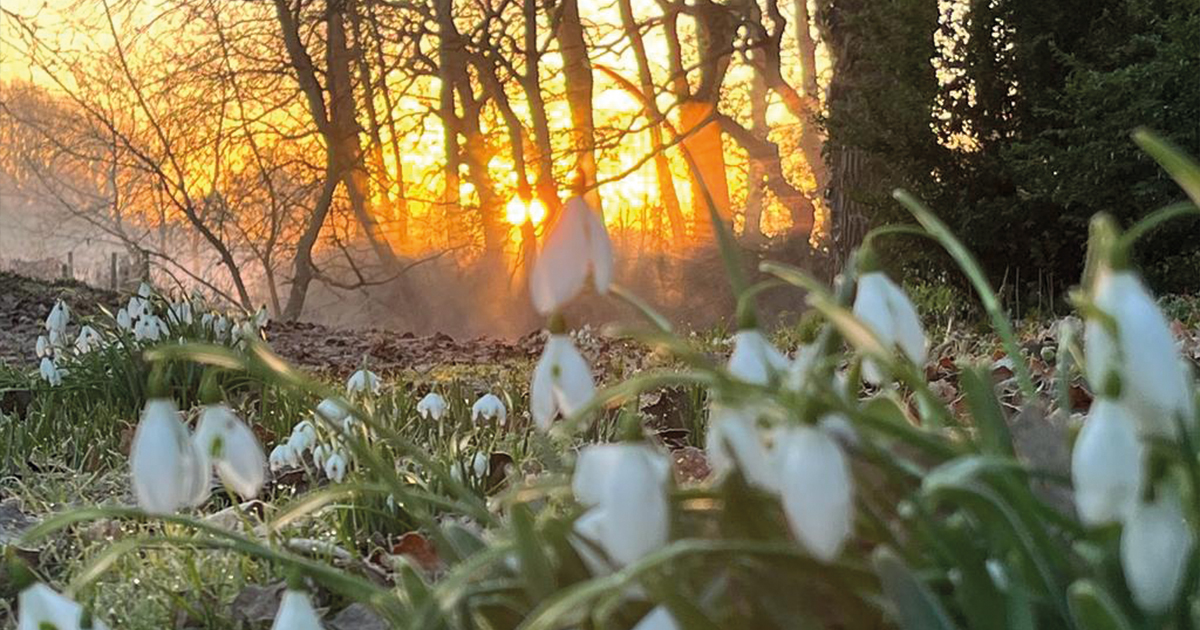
733	441
600	249
238	455
562	265
1156	545
754	359
296	612
658	619
1107	465
817	490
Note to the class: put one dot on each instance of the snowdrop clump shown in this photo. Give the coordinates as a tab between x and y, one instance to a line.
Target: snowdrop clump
489	407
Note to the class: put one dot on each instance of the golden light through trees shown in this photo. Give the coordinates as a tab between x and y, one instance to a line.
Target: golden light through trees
293	136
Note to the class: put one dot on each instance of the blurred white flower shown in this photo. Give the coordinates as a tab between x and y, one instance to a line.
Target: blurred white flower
88	340
1107	465
43	346
1156	546
625	485
58	318
658	619
232	445
296	612
1154	382
221	328
335	467
363	382
562	381
332	410
304	436
50	372
754	359
40	607
283	456
431	407
145	290
479	465
489	407
138	307
577	243
181	312
817	490
320	453
169	470
262	317
884	308
124	320
734	441
147	328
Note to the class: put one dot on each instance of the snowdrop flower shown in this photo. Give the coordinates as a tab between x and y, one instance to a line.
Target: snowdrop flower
817	490
562	381
88	340
169	470
363	382
304	436
480	465
41	607
234	448
884	308
624	484
58	318
147	328
50	372
145	290
1154	383
124	320
658	619
138	307
321	453
262	317
221	328
733	441
335	467
1155	547
754	359
578	242
43	346
283	456
296	612
181	312
332	410
432	407
1107	465
489	407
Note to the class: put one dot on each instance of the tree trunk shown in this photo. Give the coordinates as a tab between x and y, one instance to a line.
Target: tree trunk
547	188
662	166
755	190
577	73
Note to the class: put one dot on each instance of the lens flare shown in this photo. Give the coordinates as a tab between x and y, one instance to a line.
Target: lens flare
517	212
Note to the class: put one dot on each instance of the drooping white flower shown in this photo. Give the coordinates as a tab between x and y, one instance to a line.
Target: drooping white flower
562	381
148	328
181	312
1156	545
431	407
124	320
1154	382
332	410
1107	465
296	612
304	436
754	359
625	484
283	456
577	243
817	490
335	467
145	290
363	382
138	307
884	308
734	442
58	318
262	317
50	372
40	607
89	339
658	619
232	445
221	328
480	465
168	470
489	407
320	452
43	346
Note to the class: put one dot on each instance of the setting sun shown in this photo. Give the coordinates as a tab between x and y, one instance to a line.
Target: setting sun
517	211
